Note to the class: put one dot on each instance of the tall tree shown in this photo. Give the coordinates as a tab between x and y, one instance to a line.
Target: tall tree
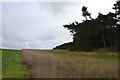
117	17
101	32
85	12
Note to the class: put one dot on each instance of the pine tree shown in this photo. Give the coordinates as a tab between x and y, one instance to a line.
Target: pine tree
117	17
85	12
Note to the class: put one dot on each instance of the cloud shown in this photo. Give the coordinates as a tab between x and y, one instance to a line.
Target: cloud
31	25
40	24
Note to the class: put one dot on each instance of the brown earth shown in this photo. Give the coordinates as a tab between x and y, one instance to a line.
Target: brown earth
48	65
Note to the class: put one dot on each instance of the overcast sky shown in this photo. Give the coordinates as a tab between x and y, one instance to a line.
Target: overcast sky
39	25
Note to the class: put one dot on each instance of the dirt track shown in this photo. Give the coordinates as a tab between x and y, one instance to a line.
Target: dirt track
48	65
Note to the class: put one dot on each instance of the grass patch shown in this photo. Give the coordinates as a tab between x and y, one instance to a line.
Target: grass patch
86	55
0	63
12	66
107	50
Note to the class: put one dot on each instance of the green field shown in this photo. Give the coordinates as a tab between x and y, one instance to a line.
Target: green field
12	66
0	63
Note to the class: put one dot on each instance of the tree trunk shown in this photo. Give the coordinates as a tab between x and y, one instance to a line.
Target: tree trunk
110	39
103	37
86	18
96	44
90	17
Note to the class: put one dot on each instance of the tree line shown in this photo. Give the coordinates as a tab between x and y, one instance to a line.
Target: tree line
101	32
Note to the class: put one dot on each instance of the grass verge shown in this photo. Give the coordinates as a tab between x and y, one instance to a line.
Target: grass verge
0	64
12	66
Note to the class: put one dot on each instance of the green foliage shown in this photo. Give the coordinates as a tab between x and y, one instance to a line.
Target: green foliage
12	65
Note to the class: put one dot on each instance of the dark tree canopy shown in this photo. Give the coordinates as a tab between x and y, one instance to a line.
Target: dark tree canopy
102	32
85	12
117	17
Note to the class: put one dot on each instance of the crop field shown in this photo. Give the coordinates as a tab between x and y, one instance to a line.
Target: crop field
66	64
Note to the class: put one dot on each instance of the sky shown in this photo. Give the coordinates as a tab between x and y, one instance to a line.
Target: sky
39	25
